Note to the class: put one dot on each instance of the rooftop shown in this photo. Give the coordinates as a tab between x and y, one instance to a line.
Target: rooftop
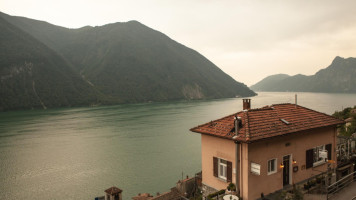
113	190
267	122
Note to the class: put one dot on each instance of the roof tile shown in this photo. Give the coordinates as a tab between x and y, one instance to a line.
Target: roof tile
267	122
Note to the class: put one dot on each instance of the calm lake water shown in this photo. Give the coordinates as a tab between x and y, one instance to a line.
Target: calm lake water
77	153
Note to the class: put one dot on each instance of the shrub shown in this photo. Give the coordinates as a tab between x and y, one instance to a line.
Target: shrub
210	196
231	187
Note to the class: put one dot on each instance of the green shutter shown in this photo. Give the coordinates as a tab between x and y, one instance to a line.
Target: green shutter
328	148
215	166
229	171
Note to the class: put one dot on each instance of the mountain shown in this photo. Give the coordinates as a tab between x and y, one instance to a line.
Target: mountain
269	80
34	76
339	77
130	62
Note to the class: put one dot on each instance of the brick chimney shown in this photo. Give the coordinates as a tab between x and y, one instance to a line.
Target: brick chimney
246	104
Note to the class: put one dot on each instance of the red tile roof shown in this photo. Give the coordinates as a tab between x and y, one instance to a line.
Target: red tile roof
266	122
113	190
144	196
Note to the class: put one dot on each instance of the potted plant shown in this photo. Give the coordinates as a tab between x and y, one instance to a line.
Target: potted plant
231	189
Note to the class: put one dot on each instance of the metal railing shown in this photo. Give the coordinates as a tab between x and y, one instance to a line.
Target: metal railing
340	184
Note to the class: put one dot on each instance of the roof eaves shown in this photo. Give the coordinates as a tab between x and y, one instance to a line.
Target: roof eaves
219	136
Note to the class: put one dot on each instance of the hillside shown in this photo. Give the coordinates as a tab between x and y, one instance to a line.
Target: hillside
269	80
130	62
339	77
34	76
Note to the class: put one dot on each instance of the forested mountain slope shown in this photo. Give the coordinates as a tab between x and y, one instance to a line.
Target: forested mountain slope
339	77
130	62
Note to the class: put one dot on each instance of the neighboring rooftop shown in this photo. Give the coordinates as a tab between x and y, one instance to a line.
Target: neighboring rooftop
348	119
144	196
267	122
113	190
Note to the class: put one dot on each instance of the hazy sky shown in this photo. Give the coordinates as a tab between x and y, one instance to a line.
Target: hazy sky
249	39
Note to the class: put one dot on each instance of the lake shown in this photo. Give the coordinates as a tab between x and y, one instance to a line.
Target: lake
77	153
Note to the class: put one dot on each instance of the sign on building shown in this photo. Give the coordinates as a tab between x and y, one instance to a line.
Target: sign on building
255	168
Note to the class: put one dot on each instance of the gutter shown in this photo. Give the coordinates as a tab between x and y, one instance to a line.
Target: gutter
237	122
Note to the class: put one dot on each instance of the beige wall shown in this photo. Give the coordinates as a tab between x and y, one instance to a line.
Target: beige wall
216	147
262	151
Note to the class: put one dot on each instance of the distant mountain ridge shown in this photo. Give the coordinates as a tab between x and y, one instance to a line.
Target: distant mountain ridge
339	77
23	63
116	63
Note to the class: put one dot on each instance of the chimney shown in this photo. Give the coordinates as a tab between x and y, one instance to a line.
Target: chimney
246	104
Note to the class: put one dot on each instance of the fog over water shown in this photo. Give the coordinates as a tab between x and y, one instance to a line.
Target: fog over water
77	153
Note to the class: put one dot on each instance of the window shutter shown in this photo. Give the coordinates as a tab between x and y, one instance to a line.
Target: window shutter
215	166
328	148
309	158
229	171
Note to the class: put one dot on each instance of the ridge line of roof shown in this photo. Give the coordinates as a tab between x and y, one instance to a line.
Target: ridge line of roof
260	109
282	104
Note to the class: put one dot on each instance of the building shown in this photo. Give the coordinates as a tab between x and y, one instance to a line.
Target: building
264	150
346	155
348	122
113	193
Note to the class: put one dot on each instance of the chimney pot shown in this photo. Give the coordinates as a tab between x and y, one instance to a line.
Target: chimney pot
246	104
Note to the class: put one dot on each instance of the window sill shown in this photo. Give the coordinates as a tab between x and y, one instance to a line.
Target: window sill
316	164
222	179
270	173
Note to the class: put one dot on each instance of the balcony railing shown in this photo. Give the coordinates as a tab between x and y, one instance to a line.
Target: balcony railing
340	184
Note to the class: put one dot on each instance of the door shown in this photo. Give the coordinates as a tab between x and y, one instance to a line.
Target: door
286	170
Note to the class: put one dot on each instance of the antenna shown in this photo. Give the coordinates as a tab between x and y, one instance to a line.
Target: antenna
296	98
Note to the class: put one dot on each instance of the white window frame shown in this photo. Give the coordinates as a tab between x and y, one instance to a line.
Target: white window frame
317	160
222	167
274	160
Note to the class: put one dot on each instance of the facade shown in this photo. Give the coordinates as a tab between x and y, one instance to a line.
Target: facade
264	150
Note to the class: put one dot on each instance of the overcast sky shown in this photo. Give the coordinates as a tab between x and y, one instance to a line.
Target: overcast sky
248	40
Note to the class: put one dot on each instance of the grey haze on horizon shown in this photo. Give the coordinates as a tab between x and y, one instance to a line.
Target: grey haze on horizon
249	40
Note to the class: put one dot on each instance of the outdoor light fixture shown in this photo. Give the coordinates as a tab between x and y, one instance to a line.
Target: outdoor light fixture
281	165
294	161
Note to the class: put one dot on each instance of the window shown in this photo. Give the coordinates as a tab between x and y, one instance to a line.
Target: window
222	168
318	155
272	166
